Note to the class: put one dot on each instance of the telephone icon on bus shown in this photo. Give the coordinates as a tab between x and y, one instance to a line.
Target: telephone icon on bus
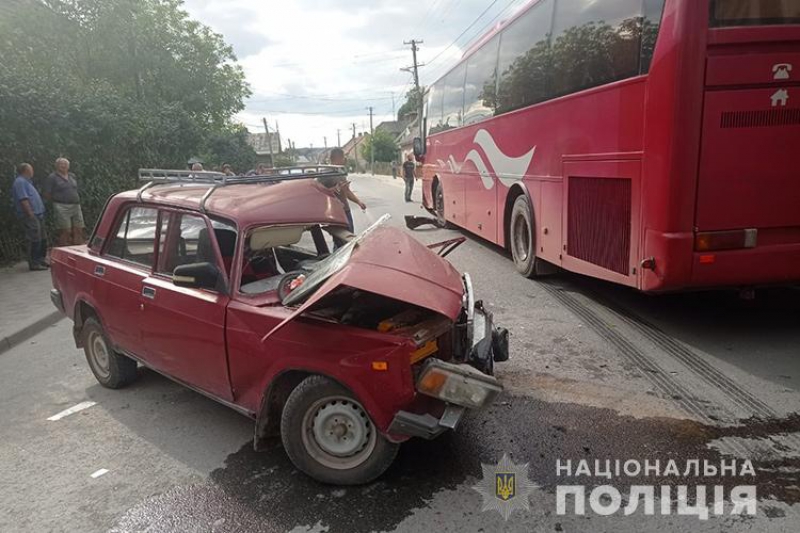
781	71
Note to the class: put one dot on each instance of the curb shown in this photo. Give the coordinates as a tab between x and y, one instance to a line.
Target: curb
20	336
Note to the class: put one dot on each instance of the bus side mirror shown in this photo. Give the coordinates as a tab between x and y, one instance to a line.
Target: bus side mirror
419	148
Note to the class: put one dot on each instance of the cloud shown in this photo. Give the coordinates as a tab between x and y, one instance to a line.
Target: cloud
316	65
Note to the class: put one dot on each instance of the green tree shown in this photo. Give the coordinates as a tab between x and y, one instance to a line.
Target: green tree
384	146
230	146
411	103
113	85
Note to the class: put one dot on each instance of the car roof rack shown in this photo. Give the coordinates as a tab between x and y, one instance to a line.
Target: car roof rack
156	176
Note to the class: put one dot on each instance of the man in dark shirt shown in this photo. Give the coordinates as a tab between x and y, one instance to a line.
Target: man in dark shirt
409	175
30	209
61	188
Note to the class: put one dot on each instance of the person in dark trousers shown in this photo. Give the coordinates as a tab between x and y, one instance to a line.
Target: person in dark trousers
409	174
343	191
30	209
61	188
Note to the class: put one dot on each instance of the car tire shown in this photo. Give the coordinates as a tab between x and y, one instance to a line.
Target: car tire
111	369
329	436
438	206
522	239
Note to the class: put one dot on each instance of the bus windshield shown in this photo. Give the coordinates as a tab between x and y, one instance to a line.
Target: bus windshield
754	12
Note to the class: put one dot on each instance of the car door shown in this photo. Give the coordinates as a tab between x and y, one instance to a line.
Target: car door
184	328
125	262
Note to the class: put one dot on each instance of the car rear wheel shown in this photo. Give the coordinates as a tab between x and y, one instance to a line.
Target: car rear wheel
328	435
112	370
522	237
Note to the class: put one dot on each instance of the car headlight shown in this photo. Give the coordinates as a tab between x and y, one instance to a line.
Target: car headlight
457	384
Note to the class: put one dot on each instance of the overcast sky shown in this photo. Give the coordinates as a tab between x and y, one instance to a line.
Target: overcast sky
316	65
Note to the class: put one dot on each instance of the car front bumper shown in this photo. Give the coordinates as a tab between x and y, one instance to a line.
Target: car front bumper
466	382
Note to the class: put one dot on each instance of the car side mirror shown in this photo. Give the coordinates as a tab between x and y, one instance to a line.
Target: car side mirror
198	276
419	148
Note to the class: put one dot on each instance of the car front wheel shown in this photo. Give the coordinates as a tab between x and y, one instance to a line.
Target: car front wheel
112	370
328	435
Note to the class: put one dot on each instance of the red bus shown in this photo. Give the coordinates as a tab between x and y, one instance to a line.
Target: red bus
650	143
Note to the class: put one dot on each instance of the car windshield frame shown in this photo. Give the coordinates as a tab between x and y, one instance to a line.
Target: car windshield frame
329	266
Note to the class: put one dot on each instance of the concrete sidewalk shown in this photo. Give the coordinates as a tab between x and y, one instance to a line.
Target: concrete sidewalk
26	307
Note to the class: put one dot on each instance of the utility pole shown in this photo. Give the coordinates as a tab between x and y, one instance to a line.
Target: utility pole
325	142
355	146
415	71
269	141
393	110
371	144
339	138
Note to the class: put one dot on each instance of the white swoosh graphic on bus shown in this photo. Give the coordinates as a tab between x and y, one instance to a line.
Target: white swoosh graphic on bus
507	169
477	160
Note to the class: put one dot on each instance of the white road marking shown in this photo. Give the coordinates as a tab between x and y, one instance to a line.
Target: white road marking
72	410
99	473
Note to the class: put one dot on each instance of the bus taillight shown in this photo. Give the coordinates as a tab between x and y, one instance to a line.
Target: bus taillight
725	240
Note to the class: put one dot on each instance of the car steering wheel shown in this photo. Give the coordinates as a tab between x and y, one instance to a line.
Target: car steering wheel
286	280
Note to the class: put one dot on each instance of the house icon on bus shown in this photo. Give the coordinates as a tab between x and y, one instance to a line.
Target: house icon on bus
780	98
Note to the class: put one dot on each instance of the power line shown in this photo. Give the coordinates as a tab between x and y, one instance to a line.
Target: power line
283	96
480	32
437	56
350	59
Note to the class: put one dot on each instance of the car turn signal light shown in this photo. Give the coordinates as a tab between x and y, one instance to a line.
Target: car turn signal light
457	384
711	241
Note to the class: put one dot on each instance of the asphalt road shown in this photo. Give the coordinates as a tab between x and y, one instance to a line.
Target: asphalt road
597	372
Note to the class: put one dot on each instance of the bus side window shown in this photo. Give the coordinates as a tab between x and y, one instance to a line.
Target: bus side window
434	116
524	63
651	22
453	103
594	43
479	89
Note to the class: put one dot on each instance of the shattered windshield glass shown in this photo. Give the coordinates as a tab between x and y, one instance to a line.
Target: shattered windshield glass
329	266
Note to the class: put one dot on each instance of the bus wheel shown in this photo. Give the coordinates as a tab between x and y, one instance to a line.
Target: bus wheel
438	205
522	238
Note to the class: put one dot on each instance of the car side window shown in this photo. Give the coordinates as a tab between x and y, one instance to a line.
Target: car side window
184	239
135	237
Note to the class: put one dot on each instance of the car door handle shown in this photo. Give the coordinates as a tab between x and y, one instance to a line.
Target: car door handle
148	292
99	271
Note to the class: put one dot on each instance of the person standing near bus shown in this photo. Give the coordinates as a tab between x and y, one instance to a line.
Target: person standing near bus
61	188
409	175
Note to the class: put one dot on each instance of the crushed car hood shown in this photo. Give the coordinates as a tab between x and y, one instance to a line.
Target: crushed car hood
394	264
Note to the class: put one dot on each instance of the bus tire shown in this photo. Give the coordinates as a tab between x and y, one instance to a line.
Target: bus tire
438	206
522	239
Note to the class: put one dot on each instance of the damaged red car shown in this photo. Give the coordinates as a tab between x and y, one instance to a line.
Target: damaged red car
252	291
